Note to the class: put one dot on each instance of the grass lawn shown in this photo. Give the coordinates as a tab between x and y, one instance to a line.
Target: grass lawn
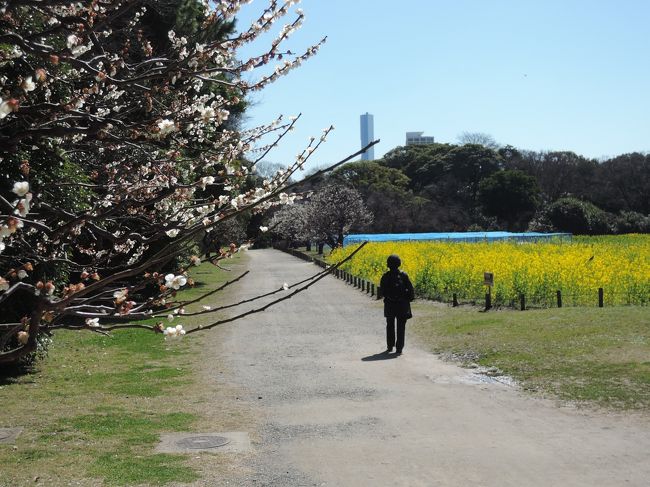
594	356
94	408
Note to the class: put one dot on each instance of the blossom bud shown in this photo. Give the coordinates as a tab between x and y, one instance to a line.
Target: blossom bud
23	337
41	75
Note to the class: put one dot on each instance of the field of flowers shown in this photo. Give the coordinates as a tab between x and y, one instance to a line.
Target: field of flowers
618	264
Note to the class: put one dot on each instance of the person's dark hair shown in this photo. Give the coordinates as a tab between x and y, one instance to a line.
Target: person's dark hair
393	262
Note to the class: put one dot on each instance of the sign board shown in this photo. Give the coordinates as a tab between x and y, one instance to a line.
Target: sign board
488	279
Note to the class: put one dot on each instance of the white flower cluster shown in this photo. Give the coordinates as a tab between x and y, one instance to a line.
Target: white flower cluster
174	331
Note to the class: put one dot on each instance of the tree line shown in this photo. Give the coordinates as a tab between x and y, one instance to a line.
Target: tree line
480	186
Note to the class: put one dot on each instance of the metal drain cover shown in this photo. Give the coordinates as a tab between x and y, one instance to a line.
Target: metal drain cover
202	442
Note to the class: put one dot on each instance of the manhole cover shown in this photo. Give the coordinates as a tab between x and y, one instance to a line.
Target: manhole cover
201	442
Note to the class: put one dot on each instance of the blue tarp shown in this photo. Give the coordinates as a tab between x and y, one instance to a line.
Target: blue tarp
455	236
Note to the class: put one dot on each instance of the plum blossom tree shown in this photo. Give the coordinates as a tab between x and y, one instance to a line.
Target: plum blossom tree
119	156
330	213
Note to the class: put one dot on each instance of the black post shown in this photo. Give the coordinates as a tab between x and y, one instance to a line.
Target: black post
559	298
379	293
601	301
522	302
488	300
308	246
320	248
372	289
454	300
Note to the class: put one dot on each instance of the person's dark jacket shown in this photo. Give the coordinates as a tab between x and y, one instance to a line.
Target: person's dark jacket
398	293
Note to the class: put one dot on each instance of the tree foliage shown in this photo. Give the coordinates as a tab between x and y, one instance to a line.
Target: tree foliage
509	195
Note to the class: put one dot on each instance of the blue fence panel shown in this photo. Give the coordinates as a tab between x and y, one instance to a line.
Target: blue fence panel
455	236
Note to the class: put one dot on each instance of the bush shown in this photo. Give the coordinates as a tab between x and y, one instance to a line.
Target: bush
632	222
579	217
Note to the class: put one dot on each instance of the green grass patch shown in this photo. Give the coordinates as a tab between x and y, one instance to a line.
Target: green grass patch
95	407
594	355
159	469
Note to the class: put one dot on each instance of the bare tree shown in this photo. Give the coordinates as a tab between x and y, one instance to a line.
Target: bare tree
478	138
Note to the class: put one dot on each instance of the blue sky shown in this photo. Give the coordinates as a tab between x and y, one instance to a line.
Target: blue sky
536	74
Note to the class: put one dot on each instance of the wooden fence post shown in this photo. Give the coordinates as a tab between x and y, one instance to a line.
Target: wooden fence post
522	301
379	293
559	298
372	289
454	300
488	301
601	301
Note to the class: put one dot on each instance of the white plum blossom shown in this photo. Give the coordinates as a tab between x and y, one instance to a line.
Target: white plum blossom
4	284
72	41
28	84
23	206
206	307
174	332
166	126
92	322
6	108
286	199
22	274
175	282
21	188
207	180
120	295
264	229
172	233
207	114
170	317
285	286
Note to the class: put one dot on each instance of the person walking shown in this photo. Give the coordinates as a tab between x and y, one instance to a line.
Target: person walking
398	293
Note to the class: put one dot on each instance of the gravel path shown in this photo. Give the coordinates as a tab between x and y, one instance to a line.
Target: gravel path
332	412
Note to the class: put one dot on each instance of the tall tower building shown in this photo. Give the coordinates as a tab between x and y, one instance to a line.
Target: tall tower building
367	136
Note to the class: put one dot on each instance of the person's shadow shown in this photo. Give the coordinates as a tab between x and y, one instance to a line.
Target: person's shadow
379	356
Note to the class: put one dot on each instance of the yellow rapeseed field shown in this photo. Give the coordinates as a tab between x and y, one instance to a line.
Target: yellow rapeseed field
618	264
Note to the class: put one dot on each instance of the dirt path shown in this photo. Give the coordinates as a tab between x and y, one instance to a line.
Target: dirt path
329	414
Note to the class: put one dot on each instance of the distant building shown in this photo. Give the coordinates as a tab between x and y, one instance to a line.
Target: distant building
416	138
367	136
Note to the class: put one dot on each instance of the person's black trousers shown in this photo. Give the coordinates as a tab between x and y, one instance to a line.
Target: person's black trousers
390	333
